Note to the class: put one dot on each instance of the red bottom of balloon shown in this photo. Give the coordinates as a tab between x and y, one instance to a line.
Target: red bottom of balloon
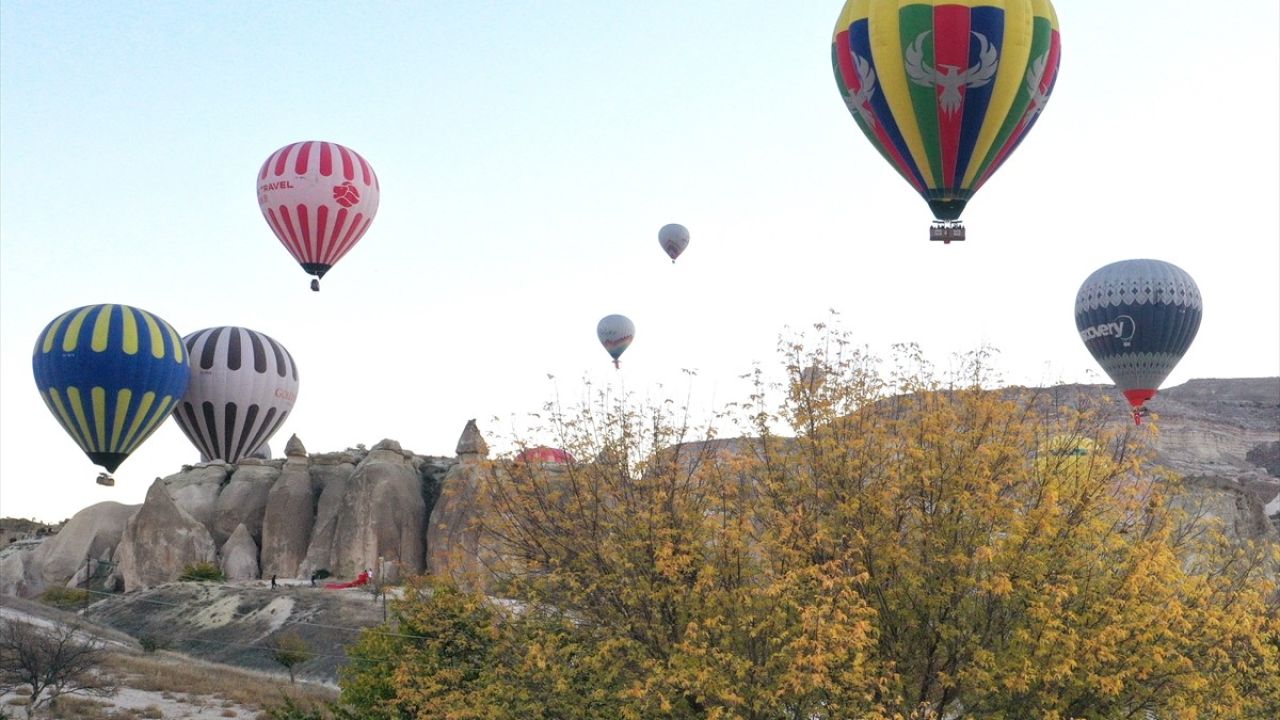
1138	398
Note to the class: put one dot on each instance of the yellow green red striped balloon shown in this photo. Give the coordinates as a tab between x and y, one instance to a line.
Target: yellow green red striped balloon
946	90
110	374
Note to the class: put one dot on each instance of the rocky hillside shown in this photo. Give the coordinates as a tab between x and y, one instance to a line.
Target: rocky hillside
392	512
240	623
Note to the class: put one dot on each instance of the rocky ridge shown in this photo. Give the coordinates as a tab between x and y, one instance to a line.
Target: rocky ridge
390	510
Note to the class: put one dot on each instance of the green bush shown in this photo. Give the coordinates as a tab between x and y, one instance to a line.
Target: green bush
65	597
152	643
202	572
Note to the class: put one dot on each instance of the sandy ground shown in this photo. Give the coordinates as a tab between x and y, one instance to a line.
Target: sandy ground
145	703
131	702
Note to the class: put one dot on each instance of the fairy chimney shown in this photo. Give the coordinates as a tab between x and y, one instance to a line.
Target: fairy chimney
294	447
471	446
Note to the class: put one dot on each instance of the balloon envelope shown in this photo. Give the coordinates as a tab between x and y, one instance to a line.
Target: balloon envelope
319	199
110	374
243	386
673	238
615	333
1137	318
542	454
946	92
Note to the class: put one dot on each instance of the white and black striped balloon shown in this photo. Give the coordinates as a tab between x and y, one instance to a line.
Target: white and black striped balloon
243	386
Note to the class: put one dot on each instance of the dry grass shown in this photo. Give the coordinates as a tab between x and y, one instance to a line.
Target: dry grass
201	683
204	687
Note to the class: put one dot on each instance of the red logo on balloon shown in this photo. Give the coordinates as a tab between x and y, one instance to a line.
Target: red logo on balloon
346	194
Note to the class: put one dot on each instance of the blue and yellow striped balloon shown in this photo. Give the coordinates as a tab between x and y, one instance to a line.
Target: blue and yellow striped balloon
110	374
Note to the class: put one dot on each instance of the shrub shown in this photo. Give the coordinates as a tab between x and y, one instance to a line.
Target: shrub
152	643
65	597
202	572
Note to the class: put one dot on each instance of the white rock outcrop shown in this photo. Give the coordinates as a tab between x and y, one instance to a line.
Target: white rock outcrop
239	555
243	500
380	513
196	488
287	521
90	535
159	540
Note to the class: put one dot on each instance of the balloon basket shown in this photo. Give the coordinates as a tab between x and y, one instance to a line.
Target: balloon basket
616	366
946	231
315	285
106	479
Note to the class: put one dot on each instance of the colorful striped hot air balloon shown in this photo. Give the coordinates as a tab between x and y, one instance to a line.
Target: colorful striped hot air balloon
1137	318
615	333
110	374
243	385
319	198
946	90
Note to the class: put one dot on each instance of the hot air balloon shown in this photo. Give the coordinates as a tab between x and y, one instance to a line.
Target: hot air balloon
1137	318
545	455
319	198
673	238
615	333
243	385
110	374
945	92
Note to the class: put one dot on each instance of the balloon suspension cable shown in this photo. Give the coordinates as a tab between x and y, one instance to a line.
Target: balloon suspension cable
946	231
315	284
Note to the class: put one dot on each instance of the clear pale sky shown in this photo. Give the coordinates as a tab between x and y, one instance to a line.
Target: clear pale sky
529	152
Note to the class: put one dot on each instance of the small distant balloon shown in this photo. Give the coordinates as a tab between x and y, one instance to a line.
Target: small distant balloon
319	199
674	238
1138	318
616	333
243	386
110	374
543	454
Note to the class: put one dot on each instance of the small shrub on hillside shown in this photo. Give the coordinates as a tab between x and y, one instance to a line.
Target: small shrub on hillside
290	651
152	643
65	597
202	572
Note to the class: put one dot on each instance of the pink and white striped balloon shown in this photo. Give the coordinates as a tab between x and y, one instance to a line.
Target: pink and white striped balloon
319	198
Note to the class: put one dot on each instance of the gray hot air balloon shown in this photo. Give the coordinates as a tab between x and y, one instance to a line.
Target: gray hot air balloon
674	238
615	333
243	386
1137	318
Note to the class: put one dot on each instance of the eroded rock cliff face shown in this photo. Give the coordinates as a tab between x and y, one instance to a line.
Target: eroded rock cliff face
1221	436
90	535
159	540
389	509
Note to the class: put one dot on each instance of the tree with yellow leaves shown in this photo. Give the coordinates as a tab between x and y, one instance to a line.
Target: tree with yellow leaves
885	542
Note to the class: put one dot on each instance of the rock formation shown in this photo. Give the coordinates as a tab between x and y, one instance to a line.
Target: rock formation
395	511
90	535
330	472
159	540
243	500
19	575
454	541
196	489
381	514
238	557
287	521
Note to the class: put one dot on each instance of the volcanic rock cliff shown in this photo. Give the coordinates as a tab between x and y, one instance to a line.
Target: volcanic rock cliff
392	511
